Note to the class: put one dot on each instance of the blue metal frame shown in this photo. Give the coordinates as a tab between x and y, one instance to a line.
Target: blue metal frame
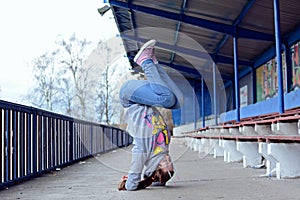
202	102
191	70
178	28
195	104
236	32
278	57
190	52
236	79
215	94
219	27
289	39
293	37
235	24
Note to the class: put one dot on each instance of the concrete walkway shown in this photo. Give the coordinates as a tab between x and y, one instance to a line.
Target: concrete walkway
197	177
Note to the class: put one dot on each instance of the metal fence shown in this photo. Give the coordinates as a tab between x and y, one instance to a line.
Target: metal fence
35	141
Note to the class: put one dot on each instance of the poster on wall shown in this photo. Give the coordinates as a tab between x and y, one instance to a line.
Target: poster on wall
296	65
267	82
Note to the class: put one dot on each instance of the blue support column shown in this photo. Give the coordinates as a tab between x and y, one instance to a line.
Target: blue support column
215	94
278	57
195	102
202	102
236	79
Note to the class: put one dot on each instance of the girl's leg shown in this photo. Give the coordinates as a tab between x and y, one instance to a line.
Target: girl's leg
156	85
156	82
171	85
145	58
142	92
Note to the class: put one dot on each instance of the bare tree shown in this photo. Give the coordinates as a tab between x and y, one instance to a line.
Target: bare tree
72	56
100	104
106	92
67	95
45	92
81	86
103	86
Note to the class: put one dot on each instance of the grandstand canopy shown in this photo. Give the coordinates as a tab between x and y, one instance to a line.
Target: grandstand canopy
238	35
213	24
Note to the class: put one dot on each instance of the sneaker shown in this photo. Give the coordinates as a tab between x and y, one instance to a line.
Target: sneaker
146	52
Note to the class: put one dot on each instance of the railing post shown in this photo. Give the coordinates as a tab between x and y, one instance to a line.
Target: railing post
15	148
71	141
91	139
34	140
1	147
28	143
103	138
111	138
49	145
6	146
22	145
44	141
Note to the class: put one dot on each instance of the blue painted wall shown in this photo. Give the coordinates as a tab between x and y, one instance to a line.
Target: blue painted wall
192	113
292	100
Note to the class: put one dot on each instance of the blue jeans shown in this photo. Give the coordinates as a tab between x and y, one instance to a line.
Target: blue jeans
152	92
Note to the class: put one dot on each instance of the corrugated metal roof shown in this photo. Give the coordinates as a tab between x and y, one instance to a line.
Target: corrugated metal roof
211	24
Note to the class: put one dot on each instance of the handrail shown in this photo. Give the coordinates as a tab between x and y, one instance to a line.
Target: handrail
34	141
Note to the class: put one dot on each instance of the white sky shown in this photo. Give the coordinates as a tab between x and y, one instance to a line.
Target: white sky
29	28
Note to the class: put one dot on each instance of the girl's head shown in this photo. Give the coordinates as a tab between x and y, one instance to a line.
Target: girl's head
164	171
162	175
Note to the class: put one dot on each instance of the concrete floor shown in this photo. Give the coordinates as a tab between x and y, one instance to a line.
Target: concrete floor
197	177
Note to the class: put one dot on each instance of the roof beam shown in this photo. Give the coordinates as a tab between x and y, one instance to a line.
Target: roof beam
183	6
190	52
293	37
215	26
235	23
192	71
288	39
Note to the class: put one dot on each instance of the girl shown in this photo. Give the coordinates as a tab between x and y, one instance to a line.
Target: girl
151	136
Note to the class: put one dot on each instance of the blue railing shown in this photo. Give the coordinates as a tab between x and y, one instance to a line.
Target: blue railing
35	141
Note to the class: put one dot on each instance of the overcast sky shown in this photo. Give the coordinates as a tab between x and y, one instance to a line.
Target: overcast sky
29	28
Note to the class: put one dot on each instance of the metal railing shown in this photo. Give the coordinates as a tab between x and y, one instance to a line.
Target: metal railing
35	141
